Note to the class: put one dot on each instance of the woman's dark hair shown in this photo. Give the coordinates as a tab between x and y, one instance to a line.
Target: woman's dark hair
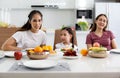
93	26
27	25
70	32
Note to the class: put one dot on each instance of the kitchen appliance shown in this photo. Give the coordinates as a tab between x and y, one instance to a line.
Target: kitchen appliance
86	13
45	6
80	13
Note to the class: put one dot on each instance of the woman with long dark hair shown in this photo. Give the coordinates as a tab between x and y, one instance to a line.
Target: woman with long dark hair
29	35
100	35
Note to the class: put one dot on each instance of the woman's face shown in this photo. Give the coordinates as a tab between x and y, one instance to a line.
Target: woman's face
65	36
36	22
101	22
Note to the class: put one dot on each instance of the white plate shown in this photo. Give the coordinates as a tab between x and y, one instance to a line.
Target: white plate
115	51
40	64
70	57
11	53
2	54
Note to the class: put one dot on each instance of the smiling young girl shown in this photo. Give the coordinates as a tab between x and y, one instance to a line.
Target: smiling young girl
67	39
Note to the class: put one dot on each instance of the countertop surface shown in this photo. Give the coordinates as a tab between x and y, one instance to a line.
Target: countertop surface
84	66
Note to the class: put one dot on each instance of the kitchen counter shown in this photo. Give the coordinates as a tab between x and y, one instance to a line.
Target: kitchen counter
83	67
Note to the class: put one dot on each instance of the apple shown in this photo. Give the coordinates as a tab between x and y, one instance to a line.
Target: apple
96	44
18	55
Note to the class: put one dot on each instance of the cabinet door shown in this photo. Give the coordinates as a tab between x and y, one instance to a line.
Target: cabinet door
15	4
68	4
114	21
84	4
62	4
101	8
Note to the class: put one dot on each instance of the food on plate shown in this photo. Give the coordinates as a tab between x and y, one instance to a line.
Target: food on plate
84	52
65	49
70	52
18	55
53	52
96	44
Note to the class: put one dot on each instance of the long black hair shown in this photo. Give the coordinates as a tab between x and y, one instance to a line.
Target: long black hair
70	31
27	25
94	26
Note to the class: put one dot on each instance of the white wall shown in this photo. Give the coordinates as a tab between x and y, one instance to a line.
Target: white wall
52	18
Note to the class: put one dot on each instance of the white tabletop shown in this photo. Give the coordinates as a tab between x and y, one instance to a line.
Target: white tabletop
83	67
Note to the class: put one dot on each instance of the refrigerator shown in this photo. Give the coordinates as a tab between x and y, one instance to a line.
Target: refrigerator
112	10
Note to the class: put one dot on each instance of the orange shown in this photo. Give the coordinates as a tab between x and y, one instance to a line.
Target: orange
50	48
84	52
45	48
31	51
38	49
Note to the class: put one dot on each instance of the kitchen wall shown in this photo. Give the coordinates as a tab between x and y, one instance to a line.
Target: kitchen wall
52	18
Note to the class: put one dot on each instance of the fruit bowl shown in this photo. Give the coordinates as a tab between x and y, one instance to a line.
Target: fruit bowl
98	52
101	54
39	52
37	55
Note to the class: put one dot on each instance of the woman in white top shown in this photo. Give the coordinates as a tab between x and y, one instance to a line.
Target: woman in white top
29	35
67	39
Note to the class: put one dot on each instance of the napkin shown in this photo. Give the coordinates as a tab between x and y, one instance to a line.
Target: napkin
59	67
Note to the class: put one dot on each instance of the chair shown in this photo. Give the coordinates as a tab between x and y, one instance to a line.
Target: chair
58	40
5	33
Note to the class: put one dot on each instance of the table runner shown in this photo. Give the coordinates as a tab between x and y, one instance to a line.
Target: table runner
59	67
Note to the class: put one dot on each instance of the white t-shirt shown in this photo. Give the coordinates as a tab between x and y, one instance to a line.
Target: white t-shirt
61	46
28	39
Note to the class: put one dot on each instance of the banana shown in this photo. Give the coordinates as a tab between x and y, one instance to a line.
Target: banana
97	49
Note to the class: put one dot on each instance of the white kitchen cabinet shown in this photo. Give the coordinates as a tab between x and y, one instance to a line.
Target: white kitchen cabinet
15	4
112	11
101	8
84	4
62	4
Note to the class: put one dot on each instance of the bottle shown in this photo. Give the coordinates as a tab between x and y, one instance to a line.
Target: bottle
83	24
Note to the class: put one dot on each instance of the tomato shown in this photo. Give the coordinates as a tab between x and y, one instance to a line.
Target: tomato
18	55
96	44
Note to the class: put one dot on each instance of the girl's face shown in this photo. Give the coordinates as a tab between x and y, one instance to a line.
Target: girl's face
101	22
65	36
36	22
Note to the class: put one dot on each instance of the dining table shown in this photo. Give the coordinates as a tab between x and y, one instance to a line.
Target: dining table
78	67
